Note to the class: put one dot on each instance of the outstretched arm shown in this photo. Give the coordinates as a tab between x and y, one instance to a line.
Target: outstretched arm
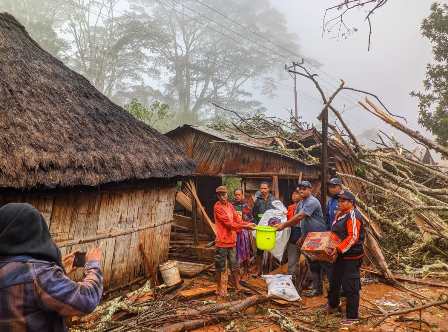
59	293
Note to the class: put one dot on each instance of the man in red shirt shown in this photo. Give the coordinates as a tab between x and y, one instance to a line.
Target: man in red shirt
228	222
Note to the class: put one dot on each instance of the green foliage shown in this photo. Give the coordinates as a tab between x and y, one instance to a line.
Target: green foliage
157	115
360	170
231	183
433	101
206	61
169	51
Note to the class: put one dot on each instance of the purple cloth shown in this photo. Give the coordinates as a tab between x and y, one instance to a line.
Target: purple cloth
243	246
243	239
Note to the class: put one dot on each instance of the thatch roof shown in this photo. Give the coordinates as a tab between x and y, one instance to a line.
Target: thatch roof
57	130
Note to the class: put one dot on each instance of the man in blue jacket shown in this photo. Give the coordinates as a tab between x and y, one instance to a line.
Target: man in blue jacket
334	188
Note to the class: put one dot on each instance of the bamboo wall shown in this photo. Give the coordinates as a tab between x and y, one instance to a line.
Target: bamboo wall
116	219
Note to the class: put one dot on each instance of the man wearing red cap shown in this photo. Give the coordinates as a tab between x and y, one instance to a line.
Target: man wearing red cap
228	222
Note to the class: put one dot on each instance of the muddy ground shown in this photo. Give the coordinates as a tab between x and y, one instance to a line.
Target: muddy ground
311	313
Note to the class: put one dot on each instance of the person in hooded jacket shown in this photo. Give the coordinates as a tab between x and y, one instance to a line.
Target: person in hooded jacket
35	292
349	228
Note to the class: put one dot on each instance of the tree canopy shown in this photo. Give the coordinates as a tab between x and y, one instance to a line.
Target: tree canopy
182	53
433	100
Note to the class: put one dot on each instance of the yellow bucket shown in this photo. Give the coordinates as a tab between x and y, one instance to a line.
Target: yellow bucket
265	237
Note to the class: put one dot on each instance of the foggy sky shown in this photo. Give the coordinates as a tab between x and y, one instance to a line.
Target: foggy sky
393	68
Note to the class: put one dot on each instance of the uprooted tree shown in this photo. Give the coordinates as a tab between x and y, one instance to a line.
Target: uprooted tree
404	200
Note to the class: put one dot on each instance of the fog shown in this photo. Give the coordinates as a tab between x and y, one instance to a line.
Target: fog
394	66
126	52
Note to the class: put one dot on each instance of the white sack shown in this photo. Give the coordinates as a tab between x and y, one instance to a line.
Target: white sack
281	286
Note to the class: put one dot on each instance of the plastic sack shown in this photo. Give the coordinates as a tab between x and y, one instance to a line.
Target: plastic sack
281	286
272	217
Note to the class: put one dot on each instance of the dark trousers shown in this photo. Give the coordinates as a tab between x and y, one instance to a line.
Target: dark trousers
317	270
346	274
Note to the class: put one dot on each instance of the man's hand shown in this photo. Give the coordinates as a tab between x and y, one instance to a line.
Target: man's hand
93	255
333	254
279	227
251	226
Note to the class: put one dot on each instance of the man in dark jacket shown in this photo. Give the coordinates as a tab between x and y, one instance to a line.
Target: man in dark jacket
334	188
263	202
349	227
35	291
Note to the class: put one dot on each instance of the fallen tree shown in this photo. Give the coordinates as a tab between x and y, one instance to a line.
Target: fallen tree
404	199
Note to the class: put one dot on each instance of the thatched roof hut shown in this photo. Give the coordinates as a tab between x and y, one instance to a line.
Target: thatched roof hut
57	130
99	176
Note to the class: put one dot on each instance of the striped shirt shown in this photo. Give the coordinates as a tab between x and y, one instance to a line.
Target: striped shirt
36	295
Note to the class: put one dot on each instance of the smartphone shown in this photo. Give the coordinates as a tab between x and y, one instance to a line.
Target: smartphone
80	259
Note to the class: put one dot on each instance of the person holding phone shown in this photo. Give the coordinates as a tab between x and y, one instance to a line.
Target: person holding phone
36	293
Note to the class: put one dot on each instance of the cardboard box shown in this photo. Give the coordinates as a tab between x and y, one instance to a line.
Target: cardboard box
318	245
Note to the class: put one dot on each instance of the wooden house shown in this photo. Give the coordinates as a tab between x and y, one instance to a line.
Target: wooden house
218	154
99	176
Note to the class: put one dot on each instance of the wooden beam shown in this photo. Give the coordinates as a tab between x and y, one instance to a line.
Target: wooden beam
192	188
194	216
275	189
197	292
270	174
109	235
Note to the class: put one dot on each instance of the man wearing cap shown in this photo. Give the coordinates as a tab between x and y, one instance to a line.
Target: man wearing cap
228	223
349	227
334	187
309	218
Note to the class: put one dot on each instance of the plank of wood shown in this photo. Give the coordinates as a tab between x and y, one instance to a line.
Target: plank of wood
275	189
432	283
184	200
207	219
180	218
197	292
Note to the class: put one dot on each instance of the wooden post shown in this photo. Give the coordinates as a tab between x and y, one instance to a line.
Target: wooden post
275	189
194	216
324	160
